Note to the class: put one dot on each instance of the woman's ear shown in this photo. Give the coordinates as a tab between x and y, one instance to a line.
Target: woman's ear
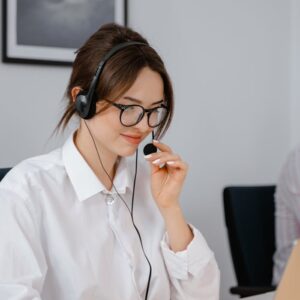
75	91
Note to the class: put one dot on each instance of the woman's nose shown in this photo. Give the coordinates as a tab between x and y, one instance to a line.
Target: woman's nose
143	125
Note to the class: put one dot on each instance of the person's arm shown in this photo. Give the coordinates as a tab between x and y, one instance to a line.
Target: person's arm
287	212
22	262
191	265
193	272
179	232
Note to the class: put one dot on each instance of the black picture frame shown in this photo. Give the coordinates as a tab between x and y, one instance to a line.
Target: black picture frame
43	54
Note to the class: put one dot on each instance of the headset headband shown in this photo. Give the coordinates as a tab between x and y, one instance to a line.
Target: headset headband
84	102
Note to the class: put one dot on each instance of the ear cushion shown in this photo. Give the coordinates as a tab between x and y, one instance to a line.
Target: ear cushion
84	107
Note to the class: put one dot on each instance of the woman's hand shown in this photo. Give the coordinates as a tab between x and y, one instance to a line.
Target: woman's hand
166	181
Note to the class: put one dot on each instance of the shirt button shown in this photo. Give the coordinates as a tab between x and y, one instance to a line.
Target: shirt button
110	200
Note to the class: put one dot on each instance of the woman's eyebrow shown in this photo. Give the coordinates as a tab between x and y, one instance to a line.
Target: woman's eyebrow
139	101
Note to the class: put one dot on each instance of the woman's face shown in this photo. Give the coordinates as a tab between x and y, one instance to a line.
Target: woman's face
147	91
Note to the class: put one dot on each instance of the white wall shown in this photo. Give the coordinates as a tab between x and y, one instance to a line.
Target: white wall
30	107
230	64
295	73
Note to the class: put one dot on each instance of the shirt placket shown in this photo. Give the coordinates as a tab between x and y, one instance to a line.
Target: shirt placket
121	224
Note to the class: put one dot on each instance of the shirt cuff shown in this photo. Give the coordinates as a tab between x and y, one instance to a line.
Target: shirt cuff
192	260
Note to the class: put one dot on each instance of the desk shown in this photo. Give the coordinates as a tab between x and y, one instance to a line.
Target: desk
266	296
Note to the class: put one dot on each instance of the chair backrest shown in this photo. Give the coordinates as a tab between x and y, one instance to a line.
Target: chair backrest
3	172
249	216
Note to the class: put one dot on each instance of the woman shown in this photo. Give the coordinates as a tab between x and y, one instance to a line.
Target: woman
87	222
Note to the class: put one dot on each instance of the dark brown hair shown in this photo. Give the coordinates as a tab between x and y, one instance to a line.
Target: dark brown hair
120	71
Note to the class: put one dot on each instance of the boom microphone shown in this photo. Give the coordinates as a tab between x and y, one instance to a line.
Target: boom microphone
149	148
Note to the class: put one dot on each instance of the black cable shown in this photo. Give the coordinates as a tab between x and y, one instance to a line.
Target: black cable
132	202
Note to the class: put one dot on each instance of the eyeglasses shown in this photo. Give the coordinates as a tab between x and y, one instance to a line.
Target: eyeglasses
131	115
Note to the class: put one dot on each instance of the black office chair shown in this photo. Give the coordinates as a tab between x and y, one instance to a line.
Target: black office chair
3	172
249	216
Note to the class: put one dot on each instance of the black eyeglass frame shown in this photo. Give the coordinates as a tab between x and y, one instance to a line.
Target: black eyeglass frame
148	111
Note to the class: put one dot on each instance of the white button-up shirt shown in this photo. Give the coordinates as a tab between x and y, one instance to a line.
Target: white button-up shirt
287	200
63	236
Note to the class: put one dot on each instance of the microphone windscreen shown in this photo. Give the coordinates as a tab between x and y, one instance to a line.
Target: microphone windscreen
149	148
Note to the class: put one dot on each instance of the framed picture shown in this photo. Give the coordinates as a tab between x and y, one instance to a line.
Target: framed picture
50	31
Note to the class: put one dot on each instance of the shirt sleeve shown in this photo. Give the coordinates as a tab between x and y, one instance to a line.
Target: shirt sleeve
193	273
287	212
22	262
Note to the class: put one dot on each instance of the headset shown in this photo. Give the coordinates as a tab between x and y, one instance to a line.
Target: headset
85	104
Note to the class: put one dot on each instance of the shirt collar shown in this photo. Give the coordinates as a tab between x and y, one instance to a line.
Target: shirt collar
84	181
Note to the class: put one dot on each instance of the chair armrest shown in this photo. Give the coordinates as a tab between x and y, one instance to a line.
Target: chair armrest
246	291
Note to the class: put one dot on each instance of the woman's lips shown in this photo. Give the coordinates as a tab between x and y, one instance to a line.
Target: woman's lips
132	139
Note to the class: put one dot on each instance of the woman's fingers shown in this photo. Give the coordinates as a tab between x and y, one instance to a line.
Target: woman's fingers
165	156
162	157
169	160
165	159
162	147
177	164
